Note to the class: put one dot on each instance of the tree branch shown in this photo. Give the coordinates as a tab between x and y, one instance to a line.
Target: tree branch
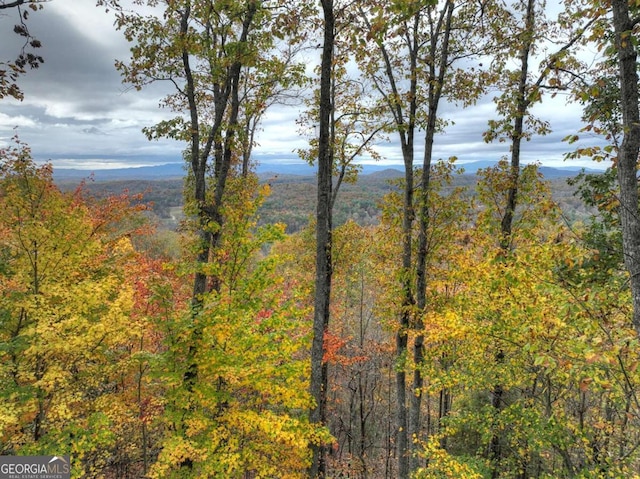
18	3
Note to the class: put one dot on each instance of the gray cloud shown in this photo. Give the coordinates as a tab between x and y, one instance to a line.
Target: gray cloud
75	105
93	131
78	113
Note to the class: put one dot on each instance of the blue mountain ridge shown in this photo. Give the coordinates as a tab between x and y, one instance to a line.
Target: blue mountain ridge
178	170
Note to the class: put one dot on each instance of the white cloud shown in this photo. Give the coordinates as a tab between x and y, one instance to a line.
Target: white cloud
9	122
78	113
91	22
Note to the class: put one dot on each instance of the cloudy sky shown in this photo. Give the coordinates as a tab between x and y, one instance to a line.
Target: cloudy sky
78	114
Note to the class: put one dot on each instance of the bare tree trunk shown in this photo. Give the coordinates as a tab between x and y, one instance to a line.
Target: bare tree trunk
437	72
408	300
226	100
506	227
319	373
628	154
444	407
402	430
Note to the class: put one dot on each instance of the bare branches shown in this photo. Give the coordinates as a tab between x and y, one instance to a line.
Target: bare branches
10	71
17	3
33	4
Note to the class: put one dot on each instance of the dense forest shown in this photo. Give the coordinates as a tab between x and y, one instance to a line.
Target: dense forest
429	325
292	198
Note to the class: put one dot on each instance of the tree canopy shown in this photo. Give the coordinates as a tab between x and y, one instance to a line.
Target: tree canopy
470	328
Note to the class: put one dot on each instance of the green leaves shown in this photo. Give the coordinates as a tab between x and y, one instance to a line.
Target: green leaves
248	410
65	314
247	339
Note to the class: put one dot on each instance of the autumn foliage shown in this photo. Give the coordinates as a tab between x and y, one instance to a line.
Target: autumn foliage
465	332
94	340
69	328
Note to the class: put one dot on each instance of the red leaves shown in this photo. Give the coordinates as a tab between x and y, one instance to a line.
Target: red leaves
332	345
264	314
150	410
337	350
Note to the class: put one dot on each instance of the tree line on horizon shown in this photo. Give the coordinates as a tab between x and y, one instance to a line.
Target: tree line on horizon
471	333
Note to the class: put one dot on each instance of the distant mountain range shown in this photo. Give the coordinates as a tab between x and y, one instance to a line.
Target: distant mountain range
177	170
159	172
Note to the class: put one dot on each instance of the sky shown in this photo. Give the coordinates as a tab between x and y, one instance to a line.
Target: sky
78	114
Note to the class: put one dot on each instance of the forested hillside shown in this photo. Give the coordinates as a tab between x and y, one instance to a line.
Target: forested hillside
421	323
292	198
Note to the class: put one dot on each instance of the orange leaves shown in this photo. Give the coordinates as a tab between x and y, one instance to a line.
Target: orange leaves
245	412
74	346
115	213
332	344
335	351
584	384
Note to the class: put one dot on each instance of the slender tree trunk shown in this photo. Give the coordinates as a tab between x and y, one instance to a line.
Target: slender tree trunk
408	301
197	166
437	74
628	154
405	123
363	384
506	226
522	104
444	407
319	376
362	425
200	280
421	303
402	430
226	103
226	100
